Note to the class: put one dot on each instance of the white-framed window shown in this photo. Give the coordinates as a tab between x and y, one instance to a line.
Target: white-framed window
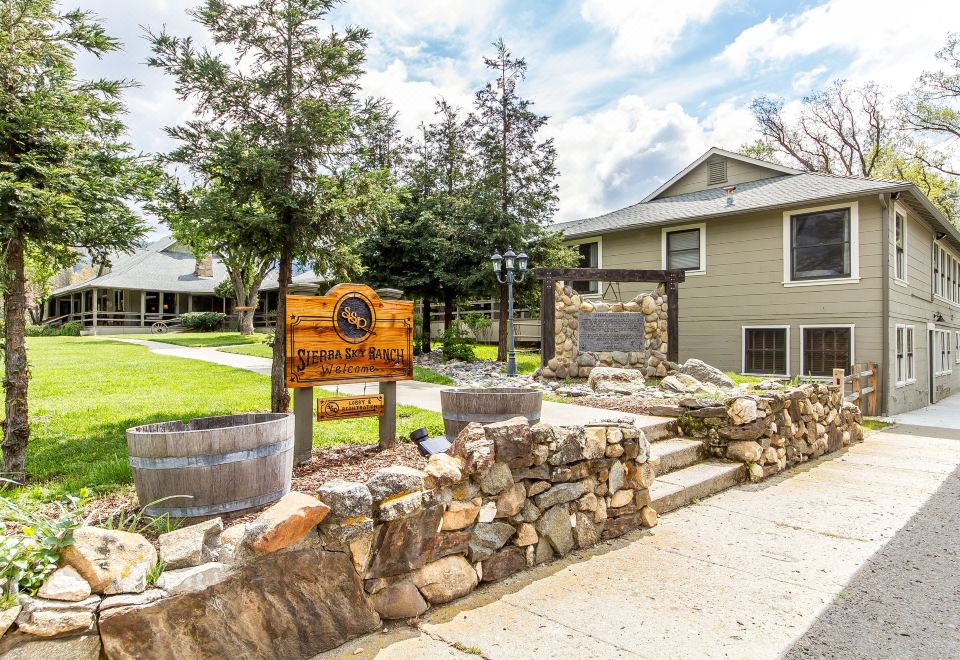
821	245
765	350
685	248
905	362
900	246
942	352
590	251
824	348
956	347
946	274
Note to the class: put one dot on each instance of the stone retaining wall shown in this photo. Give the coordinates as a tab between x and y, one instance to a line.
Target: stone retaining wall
776	429
312	572
569	362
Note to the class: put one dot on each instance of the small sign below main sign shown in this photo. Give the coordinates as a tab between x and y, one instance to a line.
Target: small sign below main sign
348	407
349	335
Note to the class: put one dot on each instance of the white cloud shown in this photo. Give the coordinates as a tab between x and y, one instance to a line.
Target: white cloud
879	46
645	31
803	81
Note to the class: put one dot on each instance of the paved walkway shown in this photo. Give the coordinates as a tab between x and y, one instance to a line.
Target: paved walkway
944	414
744	574
409	392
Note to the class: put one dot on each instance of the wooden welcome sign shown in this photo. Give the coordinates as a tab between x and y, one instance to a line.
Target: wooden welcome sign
348	335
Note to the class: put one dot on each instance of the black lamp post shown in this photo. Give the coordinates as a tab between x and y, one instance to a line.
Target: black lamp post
504	267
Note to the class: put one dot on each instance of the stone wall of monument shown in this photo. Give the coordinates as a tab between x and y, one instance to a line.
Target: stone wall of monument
649	356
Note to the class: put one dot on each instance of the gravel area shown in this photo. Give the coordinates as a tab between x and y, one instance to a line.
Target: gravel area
905	602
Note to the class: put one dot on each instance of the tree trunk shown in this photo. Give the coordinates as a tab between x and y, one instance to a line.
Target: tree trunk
447	311
504	320
246	323
425	325
279	394
16	430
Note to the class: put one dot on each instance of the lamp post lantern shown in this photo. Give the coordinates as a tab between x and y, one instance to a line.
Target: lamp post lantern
505	267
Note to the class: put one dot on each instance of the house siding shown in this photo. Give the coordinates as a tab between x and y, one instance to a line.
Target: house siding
913	303
743	286
737	172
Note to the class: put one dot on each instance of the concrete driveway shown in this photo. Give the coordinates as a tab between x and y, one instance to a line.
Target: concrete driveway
944	414
745	574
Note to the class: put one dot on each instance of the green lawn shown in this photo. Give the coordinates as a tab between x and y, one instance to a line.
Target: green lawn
259	350
200	339
85	393
528	360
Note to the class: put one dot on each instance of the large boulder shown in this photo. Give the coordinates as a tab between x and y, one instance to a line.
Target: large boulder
400	600
285	523
616	381
113	562
445	579
680	383
292	604
554	525
706	373
398	546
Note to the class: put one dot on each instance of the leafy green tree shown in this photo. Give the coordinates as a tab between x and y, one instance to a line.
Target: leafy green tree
517	194
287	90
66	172
213	219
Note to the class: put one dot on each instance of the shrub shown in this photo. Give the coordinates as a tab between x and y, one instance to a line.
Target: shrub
40	331
477	322
27	557
71	329
202	321
457	344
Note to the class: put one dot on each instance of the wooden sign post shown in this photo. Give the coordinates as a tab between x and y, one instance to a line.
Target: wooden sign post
349	335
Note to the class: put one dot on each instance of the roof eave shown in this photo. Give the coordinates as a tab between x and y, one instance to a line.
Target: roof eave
725	212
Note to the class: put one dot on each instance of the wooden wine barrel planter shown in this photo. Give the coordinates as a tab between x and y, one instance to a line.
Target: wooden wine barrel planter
495	404
227	464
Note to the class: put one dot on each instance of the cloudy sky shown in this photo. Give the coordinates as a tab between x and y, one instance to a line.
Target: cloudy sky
635	89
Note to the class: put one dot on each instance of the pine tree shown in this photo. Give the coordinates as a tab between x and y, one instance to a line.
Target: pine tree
66	172
517	195
289	91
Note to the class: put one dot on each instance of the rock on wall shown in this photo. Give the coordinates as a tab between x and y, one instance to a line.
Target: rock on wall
312	572
776	429
569	362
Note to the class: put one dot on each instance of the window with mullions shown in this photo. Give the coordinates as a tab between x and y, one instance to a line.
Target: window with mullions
683	249
900	254
826	349
765	351
589	258
820	245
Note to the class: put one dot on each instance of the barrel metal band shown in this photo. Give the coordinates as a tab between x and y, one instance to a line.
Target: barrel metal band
488	417
207	460
216	509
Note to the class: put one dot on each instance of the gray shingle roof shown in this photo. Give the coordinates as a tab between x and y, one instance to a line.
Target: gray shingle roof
162	266
787	190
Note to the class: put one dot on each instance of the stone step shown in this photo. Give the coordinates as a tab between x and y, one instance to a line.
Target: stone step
675	453
659	430
679	488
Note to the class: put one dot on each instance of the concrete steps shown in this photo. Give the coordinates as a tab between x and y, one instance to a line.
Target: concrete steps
675	453
678	488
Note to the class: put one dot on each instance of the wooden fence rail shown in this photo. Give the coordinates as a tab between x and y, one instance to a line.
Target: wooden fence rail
864	380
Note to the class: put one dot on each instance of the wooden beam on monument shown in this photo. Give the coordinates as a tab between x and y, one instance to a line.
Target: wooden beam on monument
548	315
609	274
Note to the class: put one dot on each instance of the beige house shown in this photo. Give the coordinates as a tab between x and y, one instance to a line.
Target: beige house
156	284
797	273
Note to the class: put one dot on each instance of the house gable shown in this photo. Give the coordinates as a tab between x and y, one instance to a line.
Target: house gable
718	168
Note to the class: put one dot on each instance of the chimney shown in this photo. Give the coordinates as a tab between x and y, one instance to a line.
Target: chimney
729	190
204	266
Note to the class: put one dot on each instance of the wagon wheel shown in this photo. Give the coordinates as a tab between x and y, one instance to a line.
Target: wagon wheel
159	328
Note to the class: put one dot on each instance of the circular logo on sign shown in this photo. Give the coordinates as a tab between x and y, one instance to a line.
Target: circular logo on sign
354	318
